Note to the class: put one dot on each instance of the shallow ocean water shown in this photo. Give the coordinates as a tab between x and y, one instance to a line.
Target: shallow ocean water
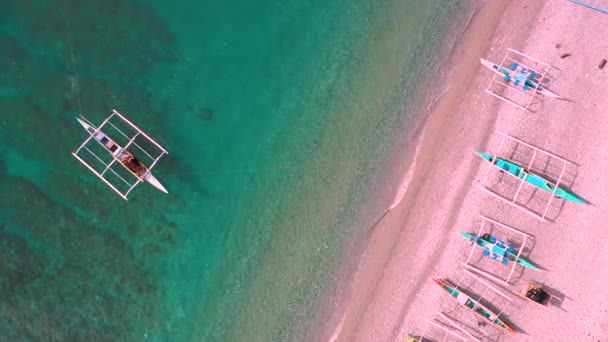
277	117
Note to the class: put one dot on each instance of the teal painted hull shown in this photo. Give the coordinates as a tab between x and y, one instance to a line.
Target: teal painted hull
502	252
531	178
480	310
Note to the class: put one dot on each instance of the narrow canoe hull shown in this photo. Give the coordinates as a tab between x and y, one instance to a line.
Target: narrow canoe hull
480	310
503	252
506	72
531	178
105	141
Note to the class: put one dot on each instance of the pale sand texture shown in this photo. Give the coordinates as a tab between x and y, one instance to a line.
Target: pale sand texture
419	240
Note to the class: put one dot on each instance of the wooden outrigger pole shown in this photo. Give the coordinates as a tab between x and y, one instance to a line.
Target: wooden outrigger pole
515	258
474	305
584	4
431	324
455	325
108	166
527	79
139	131
522	172
121	154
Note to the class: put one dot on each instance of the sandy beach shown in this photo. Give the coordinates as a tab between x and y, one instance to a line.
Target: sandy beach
393	292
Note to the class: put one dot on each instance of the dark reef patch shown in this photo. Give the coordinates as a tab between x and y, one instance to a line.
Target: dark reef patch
205	114
76	267
64	277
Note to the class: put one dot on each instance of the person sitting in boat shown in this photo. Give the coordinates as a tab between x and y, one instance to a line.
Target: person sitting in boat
134	165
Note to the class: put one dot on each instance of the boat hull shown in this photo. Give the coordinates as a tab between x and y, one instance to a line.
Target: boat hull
117	152
531	178
506	72
480	310
503	252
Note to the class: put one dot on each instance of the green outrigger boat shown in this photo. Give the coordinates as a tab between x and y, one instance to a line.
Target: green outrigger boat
531	178
480	310
497	249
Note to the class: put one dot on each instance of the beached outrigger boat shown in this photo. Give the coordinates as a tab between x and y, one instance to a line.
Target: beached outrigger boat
497	249
519	76
520	172
120	154
517	79
480	310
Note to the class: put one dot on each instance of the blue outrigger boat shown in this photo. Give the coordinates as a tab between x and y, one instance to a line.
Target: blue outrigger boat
519	77
498	249
530	178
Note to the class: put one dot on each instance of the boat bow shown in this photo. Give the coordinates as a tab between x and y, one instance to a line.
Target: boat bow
148	177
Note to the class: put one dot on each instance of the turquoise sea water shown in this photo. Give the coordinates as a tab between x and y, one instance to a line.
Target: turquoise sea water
277	117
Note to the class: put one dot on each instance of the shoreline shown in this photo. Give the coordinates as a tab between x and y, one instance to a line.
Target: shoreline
394	297
372	255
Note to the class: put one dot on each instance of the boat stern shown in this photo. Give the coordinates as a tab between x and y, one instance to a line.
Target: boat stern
569	196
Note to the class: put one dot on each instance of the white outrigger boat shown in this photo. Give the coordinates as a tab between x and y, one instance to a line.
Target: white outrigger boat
120	154
517	79
519	76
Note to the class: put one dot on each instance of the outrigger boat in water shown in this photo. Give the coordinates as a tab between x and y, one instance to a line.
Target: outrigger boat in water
134	140
124	157
497	249
529	177
520	76
480	310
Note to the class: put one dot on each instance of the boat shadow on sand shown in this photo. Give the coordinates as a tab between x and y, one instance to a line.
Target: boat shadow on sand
525	254
533	198
557	297
567	181
555	300
473	323
498	269
537	102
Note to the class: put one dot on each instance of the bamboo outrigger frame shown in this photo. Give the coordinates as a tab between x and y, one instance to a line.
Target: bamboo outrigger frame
462	317
523	236
444	330
512	201
526	68
523	287
107	167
